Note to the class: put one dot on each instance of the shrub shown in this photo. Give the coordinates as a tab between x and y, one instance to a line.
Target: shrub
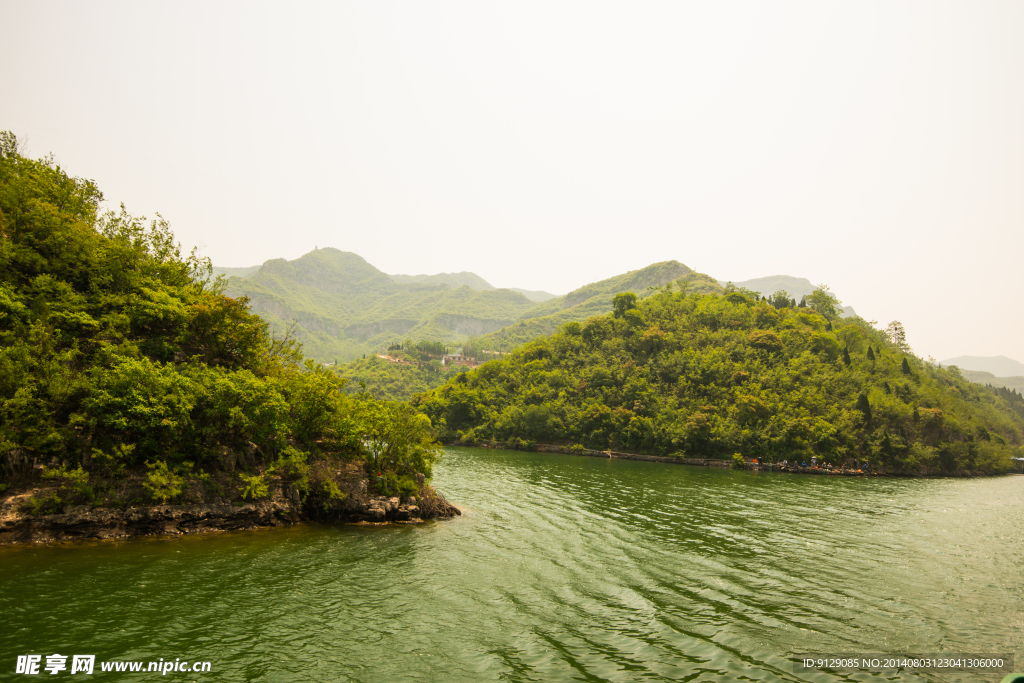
329	491
391	484
49	504
765	339
738	462
255	486
74	486
293	467
522	444
112	464
398	439
162	484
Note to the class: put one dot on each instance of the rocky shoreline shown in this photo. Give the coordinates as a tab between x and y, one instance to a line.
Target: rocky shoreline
283	507
726	464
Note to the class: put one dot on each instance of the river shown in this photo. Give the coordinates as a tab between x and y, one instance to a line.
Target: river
562	568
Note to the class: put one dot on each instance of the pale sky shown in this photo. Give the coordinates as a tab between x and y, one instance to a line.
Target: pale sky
877	147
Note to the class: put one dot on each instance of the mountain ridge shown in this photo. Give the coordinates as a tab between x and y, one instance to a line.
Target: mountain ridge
999	366
344	307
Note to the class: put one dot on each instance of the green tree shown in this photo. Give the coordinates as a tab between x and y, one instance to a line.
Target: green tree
864	406
780	299
399	440
626	301
898	336
824	302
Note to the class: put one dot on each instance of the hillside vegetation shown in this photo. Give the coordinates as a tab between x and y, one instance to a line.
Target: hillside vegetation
118	357
344	307
386	379
400	382
707	375
596	299
988	379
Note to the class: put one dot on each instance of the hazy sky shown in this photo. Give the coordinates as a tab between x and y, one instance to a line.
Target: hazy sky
874	146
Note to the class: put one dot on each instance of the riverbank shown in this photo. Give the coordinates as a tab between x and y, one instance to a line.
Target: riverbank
210	509
726	464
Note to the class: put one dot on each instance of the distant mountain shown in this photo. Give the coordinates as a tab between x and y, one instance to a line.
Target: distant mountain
1000	366
471	280
979	377
344	307
796	287
535	294
235	272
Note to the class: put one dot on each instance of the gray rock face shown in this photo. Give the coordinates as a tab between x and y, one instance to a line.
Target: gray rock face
85	522
282	508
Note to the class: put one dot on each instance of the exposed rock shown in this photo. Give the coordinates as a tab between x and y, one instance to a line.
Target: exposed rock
86	522
283	507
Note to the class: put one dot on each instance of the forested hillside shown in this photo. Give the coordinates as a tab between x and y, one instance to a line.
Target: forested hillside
386	379
117	355
713	375
399	382
344	307
596	299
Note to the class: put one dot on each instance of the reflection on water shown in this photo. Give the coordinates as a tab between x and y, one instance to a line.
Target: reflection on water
562	568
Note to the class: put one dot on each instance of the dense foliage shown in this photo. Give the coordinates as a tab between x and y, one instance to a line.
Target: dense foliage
713	375
596	299
117	352
393	381
396	381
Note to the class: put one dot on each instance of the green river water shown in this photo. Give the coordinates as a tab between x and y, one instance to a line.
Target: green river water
562	569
